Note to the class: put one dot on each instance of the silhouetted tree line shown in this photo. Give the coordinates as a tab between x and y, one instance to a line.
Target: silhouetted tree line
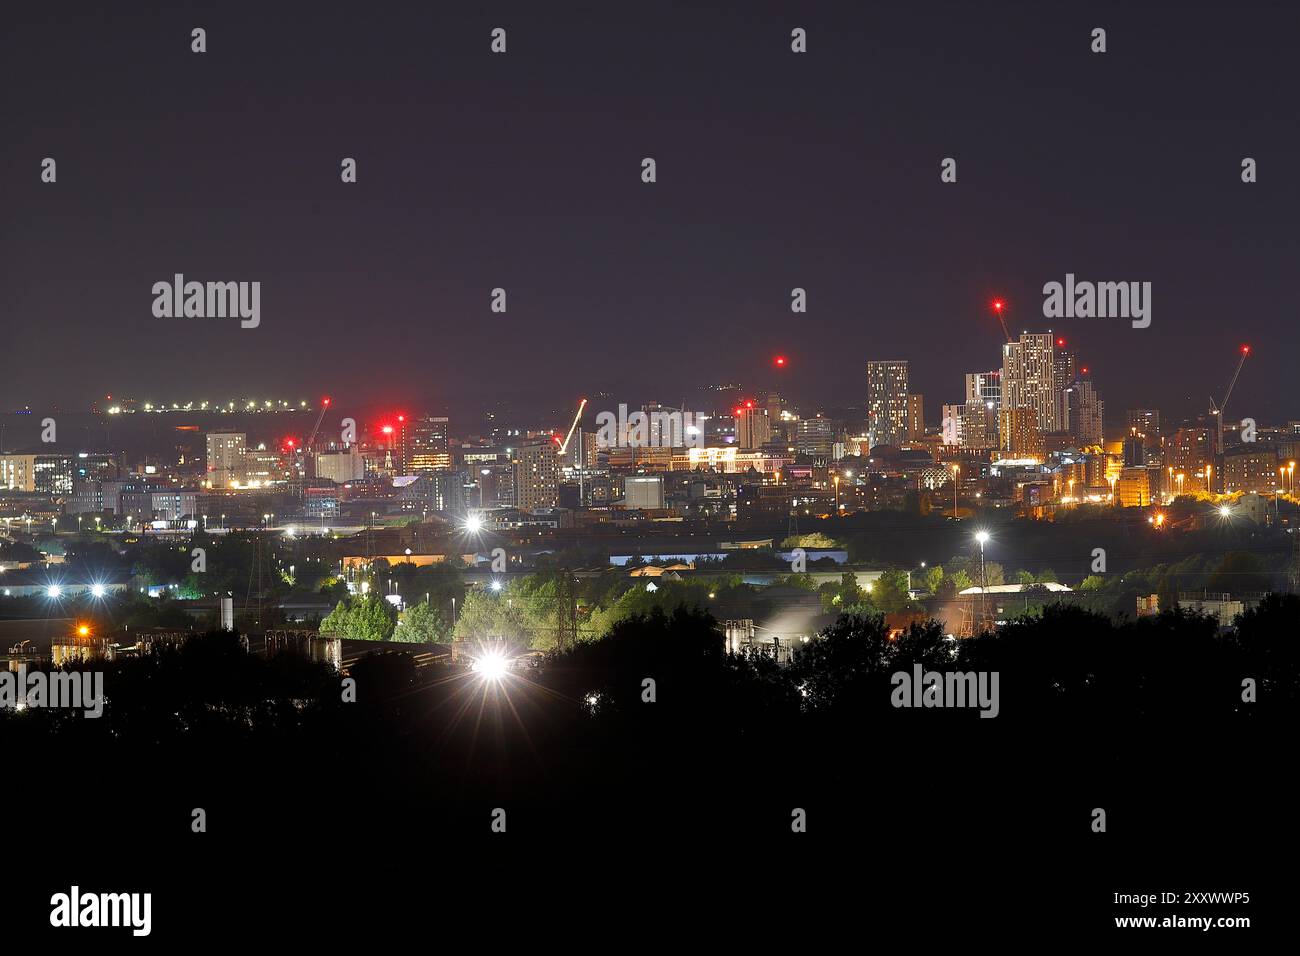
657	712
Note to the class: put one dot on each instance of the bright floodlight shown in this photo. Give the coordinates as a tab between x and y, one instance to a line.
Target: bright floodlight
97	590
982	537
473	524
1225	511
53	591
491	666
496	585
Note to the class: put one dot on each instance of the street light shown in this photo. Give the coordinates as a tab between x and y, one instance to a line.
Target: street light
955	470
982	537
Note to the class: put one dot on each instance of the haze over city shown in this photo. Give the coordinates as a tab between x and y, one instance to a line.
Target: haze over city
491	470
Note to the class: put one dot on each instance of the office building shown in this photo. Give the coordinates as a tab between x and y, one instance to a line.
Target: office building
1029	379
1249	468
537	474
753	429
816	436
225	458
952	425
887	402
643	492
1021	438
429	447
1085	412
915	417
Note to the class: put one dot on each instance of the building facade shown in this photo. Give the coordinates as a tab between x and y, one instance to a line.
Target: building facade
887	402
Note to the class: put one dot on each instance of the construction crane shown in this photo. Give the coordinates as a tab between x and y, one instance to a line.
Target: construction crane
576	418
998	307
1217	410
306	449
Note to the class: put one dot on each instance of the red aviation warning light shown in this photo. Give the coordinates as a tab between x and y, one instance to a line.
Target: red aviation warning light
779	361
1245	350
999	306
387	429
1060	343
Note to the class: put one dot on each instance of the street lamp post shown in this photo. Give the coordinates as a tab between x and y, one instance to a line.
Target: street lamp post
982	537
956	469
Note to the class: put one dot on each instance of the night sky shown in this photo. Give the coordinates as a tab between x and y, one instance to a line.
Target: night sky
522	171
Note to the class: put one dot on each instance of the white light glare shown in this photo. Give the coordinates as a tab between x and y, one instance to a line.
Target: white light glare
491	666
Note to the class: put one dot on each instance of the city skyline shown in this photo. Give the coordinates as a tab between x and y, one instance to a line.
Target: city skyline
710	438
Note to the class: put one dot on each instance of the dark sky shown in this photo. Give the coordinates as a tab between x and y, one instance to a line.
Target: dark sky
523	171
